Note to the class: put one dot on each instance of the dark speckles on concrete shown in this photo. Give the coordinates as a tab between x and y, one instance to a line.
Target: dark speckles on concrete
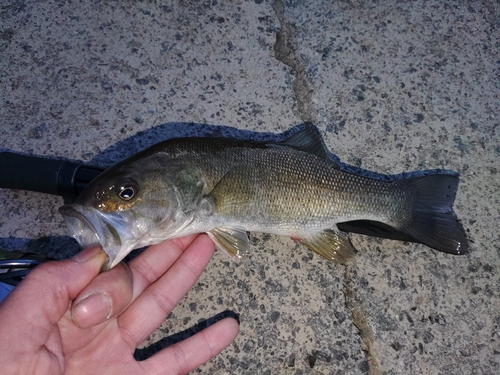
393	86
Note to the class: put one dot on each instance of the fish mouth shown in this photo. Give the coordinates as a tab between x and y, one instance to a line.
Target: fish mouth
89	227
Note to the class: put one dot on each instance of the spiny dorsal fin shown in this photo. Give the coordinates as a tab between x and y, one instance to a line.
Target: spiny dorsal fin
331	245
307	140
233	241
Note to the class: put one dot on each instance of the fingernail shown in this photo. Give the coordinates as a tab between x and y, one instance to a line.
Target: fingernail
87	254
92	310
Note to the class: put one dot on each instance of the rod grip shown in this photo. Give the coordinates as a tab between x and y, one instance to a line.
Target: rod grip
50	176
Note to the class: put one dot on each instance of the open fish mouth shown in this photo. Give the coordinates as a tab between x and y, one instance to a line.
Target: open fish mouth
82	229
89	227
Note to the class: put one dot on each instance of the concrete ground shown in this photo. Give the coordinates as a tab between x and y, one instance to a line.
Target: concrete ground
393	86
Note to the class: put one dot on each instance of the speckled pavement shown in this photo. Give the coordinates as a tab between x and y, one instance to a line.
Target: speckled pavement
393	86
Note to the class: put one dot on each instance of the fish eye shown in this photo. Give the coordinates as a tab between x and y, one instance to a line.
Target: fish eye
128	191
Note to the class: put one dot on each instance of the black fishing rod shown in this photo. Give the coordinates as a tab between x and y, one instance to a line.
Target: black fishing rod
44	175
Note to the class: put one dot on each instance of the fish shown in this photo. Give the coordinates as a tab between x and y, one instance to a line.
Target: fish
227	187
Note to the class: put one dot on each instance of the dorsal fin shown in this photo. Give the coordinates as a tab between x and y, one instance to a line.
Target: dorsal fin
307	140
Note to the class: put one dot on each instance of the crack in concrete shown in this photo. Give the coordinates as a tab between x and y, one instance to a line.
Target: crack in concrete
368	343
286	52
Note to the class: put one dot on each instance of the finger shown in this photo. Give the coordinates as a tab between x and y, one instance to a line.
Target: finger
43	297
160	298
191	353
105	297
112	291
155	261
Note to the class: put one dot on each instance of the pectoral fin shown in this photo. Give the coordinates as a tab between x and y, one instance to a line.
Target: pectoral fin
233	241
332	245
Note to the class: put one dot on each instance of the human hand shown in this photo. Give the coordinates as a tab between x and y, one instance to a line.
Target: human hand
66	318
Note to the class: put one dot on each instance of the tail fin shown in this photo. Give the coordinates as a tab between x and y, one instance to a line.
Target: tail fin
431	219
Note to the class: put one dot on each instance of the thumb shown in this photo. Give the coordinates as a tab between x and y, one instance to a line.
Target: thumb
43	297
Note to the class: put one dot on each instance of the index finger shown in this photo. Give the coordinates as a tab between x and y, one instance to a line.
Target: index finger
152	307
155	261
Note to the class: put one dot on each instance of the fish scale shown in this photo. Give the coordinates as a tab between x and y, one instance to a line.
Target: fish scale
284	190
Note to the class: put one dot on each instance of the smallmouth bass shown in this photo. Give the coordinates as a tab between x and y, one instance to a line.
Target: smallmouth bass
226	187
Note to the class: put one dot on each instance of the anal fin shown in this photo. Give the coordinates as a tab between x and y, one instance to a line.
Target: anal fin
331	245
233	241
